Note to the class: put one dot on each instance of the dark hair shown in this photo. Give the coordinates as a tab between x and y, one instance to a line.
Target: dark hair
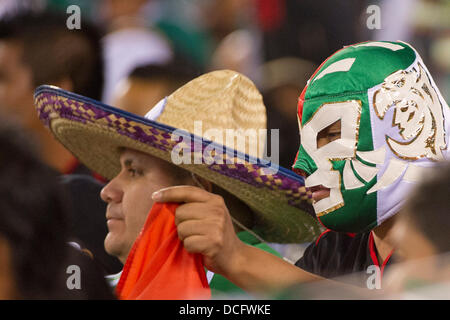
53	52
428	207
34	222
31	216
176	73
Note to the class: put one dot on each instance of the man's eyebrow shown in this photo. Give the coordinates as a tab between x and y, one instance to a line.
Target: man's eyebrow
128	162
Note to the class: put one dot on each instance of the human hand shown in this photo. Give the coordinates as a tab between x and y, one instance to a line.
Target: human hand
205	226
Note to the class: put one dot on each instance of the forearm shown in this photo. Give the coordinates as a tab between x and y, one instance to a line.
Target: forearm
258	271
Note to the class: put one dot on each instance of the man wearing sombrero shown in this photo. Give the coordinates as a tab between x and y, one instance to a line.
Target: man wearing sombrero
372	121
138	156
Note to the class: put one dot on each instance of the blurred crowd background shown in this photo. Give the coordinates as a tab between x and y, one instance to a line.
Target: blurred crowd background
131	54
276	43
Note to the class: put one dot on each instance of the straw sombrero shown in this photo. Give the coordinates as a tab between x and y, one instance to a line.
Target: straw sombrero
218	101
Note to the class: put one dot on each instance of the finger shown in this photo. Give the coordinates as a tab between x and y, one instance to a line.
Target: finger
198	228
197	244
197	211
181	194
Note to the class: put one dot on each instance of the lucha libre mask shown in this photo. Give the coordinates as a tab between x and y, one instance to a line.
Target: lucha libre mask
394	125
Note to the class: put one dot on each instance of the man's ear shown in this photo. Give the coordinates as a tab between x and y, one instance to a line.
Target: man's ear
202	183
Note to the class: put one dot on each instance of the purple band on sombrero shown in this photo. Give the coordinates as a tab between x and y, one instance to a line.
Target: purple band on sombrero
94	133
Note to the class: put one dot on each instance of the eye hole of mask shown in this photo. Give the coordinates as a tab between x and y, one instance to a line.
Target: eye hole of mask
329	134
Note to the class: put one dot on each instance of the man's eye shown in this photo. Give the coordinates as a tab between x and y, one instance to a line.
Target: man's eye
132	172
334	136
135	172
329	134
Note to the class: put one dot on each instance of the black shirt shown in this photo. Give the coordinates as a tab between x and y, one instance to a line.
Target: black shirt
336	254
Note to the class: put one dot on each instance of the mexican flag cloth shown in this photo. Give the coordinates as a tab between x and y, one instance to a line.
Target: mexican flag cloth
158	267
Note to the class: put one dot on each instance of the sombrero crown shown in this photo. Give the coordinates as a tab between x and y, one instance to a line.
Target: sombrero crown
219	103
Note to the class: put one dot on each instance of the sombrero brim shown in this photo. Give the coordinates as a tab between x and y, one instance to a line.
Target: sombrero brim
95	133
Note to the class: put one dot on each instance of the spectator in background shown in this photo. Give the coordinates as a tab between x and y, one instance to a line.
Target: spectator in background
308	29
280	83
236	37
27	42
213	34
425	24
130	41
422	236
427	216
239	51
33	229
147	85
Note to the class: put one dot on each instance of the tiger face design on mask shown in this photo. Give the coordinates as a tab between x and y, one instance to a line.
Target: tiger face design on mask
418	114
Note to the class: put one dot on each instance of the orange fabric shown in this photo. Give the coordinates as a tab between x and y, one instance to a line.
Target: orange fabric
158	267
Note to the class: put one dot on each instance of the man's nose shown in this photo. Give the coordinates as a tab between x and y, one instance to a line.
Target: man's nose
111	192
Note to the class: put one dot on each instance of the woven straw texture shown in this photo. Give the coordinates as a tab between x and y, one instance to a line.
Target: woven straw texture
223	100
94	133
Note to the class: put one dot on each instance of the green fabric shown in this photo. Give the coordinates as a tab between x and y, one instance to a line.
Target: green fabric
359	214
220	286
360	209
194	44
372	64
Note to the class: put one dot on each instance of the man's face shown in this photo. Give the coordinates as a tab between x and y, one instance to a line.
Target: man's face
324	137
329	138
16	86
128	197
409	241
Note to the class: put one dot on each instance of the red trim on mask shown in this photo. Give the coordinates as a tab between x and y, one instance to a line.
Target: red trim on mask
322	234
301	99
373	255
